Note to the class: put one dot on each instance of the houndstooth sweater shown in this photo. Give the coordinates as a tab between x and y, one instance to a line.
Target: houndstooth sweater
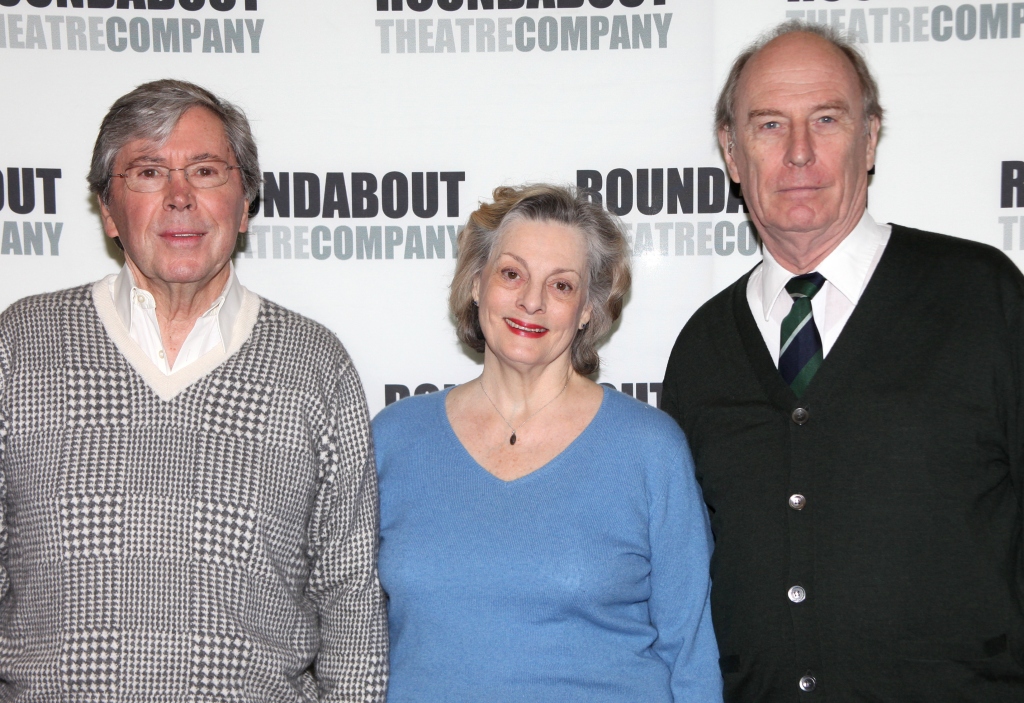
212	542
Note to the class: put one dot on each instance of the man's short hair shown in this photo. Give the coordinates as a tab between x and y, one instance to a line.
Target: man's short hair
725	117
151	112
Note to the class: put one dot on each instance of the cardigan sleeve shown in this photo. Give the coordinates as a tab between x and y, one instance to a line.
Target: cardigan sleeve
680	602
1015	324
352	664
669	391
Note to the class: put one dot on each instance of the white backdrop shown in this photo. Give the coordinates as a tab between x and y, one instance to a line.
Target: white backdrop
482	94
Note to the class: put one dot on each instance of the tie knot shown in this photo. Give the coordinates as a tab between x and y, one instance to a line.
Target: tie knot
805	285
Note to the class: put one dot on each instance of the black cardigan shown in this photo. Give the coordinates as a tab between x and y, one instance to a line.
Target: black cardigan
908	451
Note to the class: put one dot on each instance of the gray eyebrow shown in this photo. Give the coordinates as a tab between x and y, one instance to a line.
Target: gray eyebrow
772	112
196	158
523	262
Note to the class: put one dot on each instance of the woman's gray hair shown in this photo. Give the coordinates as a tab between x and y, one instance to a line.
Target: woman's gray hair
607	273
151	112
725	117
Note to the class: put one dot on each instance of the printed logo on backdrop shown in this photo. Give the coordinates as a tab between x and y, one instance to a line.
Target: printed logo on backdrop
1011	195
654	194
473	26
644	392
159	26
27	196
339	215
914	23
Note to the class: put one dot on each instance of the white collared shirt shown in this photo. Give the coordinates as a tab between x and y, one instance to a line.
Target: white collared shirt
137	309
847	270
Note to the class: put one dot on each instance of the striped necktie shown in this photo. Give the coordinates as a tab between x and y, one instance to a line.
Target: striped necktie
800	354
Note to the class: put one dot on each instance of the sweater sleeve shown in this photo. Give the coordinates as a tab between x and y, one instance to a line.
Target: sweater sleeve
669	391
352	664
680	602
1015	323
4	430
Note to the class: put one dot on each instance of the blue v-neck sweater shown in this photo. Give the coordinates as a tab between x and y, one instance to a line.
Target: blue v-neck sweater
586	580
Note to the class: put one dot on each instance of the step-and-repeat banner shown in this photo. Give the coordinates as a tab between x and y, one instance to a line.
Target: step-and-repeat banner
382	123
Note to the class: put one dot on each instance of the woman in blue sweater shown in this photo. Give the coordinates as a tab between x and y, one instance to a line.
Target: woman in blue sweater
542	538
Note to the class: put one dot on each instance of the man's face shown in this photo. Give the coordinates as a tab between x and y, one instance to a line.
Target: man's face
180	234
801	147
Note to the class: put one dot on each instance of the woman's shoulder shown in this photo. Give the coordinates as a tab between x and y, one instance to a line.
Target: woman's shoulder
647	442
642	420
405	416
408	419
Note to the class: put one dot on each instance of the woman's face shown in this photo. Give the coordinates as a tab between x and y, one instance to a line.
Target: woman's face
531	293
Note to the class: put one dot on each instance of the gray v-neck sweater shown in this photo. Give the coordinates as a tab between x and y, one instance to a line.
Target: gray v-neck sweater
204	542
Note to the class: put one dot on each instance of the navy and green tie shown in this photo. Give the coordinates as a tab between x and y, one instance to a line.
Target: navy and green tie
800	352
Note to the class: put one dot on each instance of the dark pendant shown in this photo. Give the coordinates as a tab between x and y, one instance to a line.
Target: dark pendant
512	439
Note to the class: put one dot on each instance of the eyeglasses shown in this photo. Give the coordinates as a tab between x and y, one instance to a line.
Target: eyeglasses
152	179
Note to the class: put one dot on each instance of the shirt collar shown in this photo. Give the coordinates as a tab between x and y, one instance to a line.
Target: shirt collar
230	306
124	284
846	267
227	306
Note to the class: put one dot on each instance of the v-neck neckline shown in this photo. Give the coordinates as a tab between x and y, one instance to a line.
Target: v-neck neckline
167	387
844	352
545	468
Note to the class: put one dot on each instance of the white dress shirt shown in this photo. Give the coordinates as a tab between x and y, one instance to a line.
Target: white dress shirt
847	271
212	331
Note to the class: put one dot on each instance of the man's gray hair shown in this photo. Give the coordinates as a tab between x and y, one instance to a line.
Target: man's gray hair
725	117
151	112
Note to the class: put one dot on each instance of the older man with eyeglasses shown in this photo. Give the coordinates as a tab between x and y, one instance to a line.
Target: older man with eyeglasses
188	502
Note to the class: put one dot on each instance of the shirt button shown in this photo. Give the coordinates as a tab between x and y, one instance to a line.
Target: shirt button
808	683
797	594
800	416
797	501
160	353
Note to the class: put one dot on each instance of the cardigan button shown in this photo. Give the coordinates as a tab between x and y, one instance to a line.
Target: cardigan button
797	501
797	594
808	683
800	416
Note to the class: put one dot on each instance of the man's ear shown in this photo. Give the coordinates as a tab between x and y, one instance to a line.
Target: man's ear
109	225
243	226
874	127
726	140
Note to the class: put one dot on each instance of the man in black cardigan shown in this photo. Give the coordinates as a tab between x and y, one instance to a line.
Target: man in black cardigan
854	406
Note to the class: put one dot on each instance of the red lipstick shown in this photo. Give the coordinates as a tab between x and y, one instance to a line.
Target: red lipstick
525	329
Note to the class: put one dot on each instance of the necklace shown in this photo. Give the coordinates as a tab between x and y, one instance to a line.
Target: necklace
512	439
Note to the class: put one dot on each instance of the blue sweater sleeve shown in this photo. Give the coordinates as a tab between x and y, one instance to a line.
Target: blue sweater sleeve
680	603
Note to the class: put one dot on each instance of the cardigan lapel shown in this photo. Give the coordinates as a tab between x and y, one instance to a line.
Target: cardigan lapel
778	391
868	327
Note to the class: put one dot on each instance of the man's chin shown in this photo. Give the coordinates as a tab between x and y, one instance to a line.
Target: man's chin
799	220
189	275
